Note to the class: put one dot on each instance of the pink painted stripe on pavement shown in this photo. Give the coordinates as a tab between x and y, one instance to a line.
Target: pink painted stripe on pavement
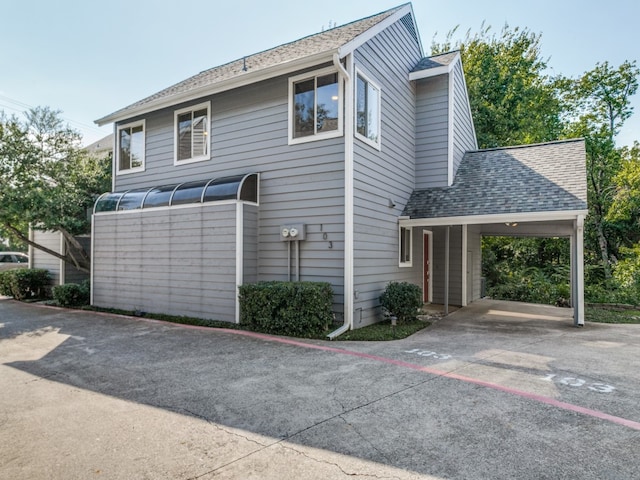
441	373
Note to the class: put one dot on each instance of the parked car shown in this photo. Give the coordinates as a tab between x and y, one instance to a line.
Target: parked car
9	260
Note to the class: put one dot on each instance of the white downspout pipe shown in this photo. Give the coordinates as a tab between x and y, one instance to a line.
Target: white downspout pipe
348	194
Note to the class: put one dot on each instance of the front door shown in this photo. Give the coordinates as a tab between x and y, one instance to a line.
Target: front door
426	266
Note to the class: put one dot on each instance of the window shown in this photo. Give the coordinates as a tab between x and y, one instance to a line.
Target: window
192	134
406	247
367	111
315	106
131	147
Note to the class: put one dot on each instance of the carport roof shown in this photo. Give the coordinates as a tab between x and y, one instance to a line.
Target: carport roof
549	177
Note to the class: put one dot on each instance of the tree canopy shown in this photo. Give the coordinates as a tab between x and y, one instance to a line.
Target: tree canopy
48	181
515	101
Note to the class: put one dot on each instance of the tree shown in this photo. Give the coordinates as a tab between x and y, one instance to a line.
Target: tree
48	180
513	101
598	105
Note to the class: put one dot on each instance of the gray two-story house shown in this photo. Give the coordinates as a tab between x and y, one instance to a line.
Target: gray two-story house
345	156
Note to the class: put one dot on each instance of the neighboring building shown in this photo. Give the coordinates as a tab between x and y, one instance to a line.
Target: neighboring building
350	137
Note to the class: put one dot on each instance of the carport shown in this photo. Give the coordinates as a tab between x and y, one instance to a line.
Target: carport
529	191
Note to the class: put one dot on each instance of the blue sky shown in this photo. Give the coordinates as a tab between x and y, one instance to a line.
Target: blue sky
89	58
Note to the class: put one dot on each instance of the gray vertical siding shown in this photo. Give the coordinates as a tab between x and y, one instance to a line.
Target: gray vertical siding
432	132
474	239
386	174
250	244
178	261
463	133
41	259
455	265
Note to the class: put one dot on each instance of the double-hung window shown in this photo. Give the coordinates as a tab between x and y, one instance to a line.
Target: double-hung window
130	147
367	111
315	104
192	133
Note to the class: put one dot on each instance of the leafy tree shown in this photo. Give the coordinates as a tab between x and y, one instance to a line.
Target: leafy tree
48	180
598	104
513	101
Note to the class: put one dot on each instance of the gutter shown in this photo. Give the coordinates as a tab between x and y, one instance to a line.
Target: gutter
348	195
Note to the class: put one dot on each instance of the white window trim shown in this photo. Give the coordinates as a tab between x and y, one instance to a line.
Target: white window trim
200	158
402	264
144	148
377	145
316	136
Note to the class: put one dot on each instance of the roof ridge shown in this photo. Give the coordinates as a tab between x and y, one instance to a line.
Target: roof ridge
244	57
517	147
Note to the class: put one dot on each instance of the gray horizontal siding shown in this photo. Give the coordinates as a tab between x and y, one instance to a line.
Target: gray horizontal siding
388	173
250	244
463	133
178	261
432	132
301	183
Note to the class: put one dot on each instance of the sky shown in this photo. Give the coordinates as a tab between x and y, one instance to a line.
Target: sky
89	58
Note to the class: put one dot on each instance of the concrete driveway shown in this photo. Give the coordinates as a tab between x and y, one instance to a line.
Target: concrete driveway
496	390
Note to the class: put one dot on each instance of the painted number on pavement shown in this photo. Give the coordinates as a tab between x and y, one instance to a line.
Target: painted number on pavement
429	353
578	383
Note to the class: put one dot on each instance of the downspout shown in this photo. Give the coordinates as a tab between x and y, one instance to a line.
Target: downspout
348	195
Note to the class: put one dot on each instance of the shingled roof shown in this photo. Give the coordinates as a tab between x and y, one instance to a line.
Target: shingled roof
435	61
326	41
547	177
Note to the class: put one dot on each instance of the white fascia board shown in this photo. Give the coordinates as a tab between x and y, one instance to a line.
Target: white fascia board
499	218
364	37
206	90
434	72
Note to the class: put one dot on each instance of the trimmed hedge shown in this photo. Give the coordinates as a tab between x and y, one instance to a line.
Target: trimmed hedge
24	283
72	294
295	309
402	299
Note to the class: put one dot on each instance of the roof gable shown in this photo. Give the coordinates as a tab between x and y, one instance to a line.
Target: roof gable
248	69
548	177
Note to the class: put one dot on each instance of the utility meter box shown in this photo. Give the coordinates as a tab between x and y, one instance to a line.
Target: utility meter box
293	232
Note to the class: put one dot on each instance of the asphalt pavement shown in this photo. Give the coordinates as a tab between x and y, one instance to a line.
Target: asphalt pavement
496	390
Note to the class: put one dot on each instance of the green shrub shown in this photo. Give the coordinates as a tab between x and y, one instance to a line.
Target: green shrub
287	308
24	283
72	294
402	300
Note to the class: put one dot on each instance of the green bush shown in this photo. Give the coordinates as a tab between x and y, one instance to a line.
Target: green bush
72	294
287	308
24	283
402	300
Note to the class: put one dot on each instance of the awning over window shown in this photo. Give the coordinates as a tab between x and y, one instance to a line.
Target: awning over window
238	187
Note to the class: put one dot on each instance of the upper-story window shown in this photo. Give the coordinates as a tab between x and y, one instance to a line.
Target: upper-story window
315	104
192	133
367	111
130	148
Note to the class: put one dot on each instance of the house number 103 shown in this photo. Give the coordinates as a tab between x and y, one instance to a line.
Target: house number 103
579	382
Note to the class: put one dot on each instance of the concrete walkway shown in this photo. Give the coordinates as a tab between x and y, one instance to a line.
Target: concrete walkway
486	393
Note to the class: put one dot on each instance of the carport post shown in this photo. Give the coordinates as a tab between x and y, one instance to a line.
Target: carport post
446	270
578	268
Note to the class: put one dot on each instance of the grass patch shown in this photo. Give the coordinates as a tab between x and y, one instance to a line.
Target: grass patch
383	331
608	315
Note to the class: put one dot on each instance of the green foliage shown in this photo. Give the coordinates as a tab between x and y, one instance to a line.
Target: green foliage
402	299
513	101
72	294
48	180
612	315
384	331
287	308
527	269
23	283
